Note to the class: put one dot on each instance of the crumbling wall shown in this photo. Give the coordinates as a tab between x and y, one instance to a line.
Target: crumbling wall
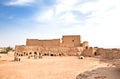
79	50
19	48
69	45
100	51
85	45
26	50
89	52
111	54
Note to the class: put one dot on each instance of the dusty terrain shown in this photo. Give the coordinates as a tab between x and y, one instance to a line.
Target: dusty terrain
64	67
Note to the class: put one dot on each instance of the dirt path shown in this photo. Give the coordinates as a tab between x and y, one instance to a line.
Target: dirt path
47	68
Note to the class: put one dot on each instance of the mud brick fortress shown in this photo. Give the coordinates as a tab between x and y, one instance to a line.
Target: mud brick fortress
68	45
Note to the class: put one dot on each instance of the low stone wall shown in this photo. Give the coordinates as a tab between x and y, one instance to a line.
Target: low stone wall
111	54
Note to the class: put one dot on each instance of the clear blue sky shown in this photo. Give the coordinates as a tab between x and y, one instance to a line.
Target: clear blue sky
97	21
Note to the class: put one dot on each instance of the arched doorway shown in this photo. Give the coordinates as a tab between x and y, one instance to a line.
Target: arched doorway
60	54
95	53
35	53
51	54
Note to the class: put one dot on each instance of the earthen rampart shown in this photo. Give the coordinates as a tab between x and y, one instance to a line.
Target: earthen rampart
68	45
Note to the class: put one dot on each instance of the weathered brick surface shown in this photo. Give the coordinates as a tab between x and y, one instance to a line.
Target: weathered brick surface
68	45
44	43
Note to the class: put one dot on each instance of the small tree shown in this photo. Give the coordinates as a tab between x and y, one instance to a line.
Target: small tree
8	49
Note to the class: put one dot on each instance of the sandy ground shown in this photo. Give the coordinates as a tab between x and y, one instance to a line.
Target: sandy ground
66	67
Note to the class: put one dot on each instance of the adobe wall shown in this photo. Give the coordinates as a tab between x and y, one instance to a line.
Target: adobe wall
79	50
19	49
85	44
100	51
110	53
70	45
71	41
89	52
44	43
26	50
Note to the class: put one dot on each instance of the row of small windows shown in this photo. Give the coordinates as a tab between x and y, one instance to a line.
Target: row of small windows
35	53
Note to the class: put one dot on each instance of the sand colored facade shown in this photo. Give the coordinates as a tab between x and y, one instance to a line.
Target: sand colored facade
68	45
71	41
89	52
55	51
85	45
43	43
109	53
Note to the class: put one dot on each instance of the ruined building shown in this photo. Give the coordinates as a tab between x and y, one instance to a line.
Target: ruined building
68	45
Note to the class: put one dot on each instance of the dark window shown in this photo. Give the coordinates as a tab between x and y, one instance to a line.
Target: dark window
72	40
30	53
95	53
26	54
51	55
39	53
35	53
60	54
45	54
86	47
